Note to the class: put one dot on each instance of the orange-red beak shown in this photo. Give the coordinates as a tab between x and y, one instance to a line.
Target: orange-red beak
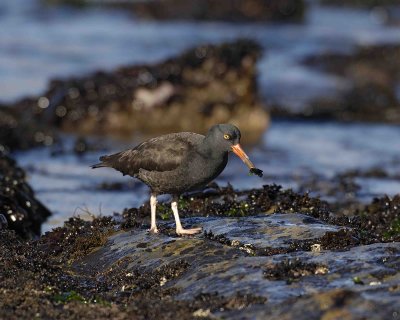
237	149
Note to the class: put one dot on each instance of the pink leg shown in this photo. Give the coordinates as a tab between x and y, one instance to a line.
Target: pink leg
153	205
179	229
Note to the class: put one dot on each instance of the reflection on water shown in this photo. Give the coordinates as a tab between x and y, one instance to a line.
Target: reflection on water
288	152
39	42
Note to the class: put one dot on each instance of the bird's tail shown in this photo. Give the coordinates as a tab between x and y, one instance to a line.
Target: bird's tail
101	164
98	165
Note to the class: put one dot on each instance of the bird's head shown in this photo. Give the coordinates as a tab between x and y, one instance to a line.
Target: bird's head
226	137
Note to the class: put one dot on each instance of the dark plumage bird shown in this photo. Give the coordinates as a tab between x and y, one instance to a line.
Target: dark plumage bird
179	162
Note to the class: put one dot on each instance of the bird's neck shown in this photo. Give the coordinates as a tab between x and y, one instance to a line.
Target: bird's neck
208	149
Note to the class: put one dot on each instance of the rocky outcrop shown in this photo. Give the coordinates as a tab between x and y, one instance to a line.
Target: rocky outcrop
384	11
19	209
210	268
305	265
373	94
223	10
206	85
361	3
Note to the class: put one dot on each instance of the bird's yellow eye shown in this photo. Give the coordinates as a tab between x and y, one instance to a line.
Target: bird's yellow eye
227	136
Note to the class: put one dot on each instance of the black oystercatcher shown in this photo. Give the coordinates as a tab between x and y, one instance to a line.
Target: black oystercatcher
179	162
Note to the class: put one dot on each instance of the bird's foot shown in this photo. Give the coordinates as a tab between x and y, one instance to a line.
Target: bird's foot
181	232
153	230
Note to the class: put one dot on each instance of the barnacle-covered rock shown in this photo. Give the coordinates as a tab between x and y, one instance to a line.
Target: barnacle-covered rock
22	211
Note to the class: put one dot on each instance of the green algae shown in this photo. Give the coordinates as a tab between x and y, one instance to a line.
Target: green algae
394	230
358	280
66	297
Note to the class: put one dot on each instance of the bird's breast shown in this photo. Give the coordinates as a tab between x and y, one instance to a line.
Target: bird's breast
205	170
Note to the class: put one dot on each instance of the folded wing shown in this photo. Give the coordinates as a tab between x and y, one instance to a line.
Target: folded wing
163	153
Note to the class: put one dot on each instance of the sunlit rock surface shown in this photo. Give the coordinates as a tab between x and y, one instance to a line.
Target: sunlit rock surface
247	234
319	280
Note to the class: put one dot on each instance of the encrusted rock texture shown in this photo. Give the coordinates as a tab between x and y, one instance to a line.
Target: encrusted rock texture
264	253
19	209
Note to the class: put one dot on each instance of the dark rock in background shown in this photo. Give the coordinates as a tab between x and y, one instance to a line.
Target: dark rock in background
360	3
222	10
18	131
225	10
373	96
206	85
23	212
383	11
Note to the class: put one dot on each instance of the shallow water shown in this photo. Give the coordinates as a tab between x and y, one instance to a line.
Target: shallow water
288	153
39	42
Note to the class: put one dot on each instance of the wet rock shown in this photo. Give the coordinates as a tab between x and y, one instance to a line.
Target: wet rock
98	269
224	10
262	233
293	270
226	270
374	74
333	304
37	281
18	206
206	85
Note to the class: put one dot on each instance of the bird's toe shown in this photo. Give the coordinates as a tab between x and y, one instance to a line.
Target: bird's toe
181	232
153	230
